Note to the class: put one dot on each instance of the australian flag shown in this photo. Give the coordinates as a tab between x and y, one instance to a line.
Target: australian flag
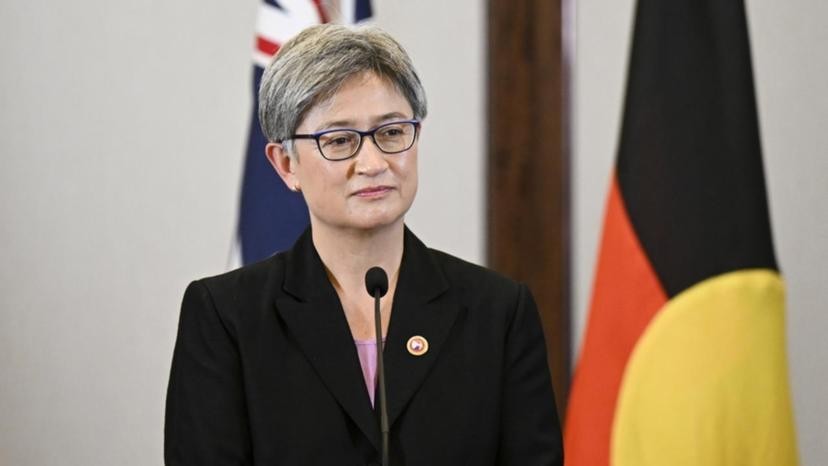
271	216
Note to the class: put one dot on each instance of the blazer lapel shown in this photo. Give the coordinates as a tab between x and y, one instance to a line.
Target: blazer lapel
420	308
314	315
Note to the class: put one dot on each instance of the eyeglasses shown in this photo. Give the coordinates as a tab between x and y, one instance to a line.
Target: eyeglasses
342	144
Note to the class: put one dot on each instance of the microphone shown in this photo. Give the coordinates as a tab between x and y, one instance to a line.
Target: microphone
376	282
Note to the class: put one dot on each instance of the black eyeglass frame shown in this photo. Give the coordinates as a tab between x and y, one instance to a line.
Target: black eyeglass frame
362	134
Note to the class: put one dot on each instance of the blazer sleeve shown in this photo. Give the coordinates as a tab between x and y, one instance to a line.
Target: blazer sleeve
206	421
530	430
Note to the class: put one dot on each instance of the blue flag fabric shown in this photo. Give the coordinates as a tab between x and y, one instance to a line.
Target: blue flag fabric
271	216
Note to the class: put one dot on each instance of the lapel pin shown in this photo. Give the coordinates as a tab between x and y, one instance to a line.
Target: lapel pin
417	345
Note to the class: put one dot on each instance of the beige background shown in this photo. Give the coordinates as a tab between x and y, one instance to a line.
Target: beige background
790	46
122	128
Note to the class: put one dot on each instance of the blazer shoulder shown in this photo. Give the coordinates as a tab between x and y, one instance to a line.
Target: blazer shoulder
241	284
475	279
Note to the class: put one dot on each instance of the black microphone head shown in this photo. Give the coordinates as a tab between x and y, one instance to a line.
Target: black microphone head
376	279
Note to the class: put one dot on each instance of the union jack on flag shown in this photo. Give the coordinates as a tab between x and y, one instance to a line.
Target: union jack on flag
271	216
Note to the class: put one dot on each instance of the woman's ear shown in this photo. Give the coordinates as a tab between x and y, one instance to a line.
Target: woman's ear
283	163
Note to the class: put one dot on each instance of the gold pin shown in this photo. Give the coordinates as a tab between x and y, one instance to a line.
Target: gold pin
417	345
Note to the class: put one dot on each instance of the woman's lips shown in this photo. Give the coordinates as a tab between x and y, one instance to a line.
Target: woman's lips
373	191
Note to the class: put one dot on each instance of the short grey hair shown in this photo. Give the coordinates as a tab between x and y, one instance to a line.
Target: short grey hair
311	67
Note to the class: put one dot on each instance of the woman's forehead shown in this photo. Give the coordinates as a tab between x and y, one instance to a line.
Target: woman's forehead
363	99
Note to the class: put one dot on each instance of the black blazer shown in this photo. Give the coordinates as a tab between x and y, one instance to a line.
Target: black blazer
265	371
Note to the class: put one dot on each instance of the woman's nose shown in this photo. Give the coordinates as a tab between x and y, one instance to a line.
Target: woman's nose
370	160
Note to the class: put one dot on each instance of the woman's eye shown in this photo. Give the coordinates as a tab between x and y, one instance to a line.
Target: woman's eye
391	131
341	140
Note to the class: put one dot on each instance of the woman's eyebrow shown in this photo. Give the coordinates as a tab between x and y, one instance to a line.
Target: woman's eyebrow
350	124
390	116
335	124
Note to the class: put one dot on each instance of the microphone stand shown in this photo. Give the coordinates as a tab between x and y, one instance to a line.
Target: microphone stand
381	376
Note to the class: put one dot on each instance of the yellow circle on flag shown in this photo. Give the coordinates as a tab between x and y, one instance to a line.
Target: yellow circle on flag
707	383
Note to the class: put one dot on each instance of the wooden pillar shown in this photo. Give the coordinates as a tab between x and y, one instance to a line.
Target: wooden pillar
528	200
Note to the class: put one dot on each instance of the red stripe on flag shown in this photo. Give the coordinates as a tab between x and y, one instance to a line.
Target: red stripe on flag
627	294
323	16
267	47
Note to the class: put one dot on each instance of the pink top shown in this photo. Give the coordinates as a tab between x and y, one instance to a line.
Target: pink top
367	351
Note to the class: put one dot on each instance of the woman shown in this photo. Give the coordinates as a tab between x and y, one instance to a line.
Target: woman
272	363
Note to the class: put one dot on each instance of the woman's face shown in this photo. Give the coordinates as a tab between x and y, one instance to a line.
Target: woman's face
370	190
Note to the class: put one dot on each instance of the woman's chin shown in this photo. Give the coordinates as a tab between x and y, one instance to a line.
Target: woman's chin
376	221
364	218
378	217
379	223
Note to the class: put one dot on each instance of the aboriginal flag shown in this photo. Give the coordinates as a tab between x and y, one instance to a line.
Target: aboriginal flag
271	216
684	362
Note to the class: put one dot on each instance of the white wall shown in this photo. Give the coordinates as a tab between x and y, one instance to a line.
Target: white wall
122	129
447	43
790	46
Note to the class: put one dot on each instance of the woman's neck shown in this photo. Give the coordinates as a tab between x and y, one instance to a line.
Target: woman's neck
347	255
